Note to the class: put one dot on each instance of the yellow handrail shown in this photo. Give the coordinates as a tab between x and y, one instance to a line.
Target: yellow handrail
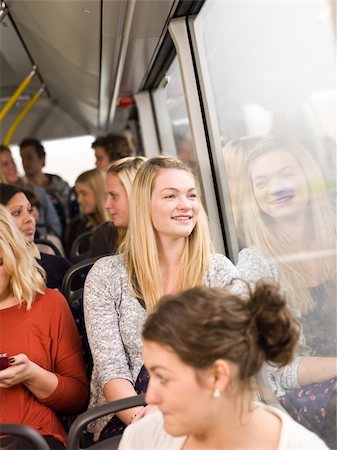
16	94
22	115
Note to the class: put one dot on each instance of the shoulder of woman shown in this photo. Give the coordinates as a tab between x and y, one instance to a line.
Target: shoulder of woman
148	433
253	265
112	265
295	435
221	271
51	299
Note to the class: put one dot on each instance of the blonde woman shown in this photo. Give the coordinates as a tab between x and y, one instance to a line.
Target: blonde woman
288	217
45	375
108	237
89	188
167	248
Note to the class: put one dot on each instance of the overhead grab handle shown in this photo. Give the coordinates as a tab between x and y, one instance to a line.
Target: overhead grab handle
27	108
3	11
17	93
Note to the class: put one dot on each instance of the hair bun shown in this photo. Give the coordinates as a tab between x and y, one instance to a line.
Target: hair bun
276	330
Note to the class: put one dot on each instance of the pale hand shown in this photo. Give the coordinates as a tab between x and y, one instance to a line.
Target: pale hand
18	372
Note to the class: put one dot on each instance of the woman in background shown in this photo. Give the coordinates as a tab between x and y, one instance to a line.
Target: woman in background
17	203
89	188
46	374
49	221
108	237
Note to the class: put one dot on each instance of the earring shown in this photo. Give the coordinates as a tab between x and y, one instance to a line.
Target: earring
216	393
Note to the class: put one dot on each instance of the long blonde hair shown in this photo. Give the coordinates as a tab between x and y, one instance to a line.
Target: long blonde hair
234	154
26	276
140	248
126	169
95	180
260	230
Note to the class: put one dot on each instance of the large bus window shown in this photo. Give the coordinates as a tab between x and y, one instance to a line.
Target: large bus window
172	116
270	79
65	157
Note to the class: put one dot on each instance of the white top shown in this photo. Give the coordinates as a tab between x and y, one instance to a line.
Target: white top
149	434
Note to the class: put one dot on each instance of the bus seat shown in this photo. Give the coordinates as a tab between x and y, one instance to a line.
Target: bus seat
72	289
47	243
26	433
75	252
81	422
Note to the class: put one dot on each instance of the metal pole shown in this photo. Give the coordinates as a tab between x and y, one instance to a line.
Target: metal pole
16	94
27	108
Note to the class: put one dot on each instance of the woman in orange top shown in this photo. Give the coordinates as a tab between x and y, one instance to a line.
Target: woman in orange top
46	374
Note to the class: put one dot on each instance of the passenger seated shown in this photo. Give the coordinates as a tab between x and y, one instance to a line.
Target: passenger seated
89	188
45	375
36	208
33	157
49	221
20	208
108	236
110	148
167	248
201	349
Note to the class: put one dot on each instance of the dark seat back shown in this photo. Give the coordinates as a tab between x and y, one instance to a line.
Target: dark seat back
25	432
72	289
82	241
50	244
81	422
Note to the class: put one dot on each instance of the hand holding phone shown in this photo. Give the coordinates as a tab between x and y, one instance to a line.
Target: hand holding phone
4	361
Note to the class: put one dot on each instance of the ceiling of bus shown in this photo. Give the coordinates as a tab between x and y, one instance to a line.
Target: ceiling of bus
78	49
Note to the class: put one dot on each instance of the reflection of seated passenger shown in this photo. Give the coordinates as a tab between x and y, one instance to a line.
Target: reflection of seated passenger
234	154
118	182
288	217
46	374
19	206
90	196
200	368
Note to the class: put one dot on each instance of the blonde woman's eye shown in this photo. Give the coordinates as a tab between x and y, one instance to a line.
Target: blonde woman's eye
261	184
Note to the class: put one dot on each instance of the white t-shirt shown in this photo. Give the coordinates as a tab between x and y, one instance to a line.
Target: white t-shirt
149	434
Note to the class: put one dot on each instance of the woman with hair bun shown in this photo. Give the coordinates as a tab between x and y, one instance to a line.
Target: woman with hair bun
200	370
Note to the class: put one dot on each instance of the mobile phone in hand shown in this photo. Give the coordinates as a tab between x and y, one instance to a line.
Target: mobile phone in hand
4	361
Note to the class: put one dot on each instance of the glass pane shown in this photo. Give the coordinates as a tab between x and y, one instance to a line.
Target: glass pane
271	68
77	153
173	96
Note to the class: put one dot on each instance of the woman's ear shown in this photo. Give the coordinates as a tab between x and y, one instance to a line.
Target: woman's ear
221	376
